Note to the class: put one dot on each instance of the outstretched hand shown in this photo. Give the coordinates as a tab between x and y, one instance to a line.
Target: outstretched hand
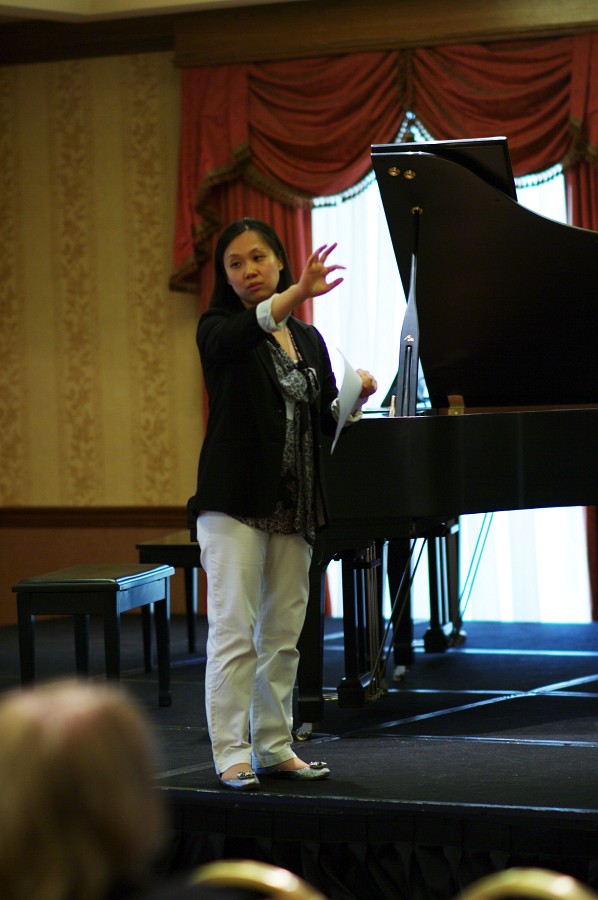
369	385
313	278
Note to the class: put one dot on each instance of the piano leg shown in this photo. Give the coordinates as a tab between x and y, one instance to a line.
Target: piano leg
443	579
402	620
310	674
458	635
350	687
435	640
357	611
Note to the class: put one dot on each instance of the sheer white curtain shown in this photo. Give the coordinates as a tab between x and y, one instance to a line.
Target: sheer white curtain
534	565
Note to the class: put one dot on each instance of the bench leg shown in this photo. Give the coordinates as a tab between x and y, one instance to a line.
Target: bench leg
26	639
147	617
162	618
81	627
112	641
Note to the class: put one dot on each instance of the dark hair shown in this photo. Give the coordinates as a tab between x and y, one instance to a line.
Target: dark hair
223	295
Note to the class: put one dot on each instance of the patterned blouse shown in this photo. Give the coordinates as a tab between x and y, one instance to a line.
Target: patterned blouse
295	511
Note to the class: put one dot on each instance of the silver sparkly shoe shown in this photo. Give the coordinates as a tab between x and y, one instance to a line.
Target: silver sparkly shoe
243	781
313	772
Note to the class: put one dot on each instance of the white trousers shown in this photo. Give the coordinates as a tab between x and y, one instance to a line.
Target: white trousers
258	586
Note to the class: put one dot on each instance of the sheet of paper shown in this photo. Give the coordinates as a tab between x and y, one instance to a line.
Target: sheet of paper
347	397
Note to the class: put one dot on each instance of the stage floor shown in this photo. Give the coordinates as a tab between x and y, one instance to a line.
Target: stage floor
483	756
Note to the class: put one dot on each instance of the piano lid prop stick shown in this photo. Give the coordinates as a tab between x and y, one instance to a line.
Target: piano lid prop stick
409	351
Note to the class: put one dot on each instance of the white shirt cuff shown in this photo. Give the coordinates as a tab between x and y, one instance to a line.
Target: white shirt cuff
354	417
265	320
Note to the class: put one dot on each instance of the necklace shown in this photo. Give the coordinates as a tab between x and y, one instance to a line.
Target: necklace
289	344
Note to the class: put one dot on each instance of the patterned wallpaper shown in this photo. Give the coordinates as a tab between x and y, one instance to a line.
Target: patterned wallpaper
100	395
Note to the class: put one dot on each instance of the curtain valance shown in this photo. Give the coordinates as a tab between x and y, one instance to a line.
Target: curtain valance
301	129
294	130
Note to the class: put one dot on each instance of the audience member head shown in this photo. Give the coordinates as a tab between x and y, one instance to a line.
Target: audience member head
79	816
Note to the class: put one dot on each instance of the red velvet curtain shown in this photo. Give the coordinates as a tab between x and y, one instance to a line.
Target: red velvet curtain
288	131
265	139
301	129
522	90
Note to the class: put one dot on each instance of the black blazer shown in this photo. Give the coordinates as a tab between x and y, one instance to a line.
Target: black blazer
241	457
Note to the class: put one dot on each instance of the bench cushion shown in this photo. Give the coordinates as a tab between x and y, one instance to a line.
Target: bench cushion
95	577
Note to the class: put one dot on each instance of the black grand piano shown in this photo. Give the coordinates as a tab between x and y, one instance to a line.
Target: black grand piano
503	316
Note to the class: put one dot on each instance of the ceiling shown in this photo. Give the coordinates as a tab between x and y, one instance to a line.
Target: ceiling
101	10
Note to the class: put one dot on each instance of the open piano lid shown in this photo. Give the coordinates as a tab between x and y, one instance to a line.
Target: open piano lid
507	300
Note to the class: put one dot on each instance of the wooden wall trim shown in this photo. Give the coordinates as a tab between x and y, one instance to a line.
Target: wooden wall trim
168	517
299	29
22	43
328	27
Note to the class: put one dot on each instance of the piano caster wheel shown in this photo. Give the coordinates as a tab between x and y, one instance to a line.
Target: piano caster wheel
304	732
435	641
399	674
456	638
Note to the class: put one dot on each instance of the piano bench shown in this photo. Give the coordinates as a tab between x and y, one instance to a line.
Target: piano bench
176	550
102	589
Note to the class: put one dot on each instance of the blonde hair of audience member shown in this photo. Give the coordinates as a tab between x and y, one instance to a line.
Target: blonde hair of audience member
78	812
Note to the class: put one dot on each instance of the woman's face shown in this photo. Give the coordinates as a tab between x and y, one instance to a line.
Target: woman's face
252	268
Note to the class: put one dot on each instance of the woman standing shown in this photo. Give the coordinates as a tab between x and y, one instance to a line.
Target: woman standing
259	498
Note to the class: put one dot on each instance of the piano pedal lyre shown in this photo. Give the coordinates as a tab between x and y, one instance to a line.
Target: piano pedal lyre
364	664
